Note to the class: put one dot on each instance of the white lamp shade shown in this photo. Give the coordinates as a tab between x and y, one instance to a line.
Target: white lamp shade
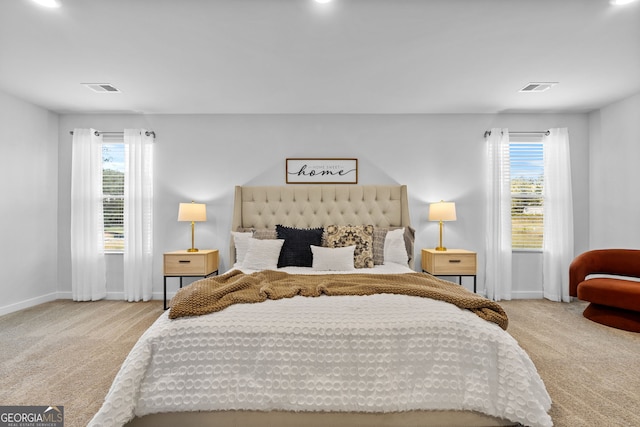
192	212
442	211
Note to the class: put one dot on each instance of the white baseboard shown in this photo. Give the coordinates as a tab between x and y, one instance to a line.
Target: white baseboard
116	296
160	295
519	294
155	296
28	303
119	296
65	295
527	295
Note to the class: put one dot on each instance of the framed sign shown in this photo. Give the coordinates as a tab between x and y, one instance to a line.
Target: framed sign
322	171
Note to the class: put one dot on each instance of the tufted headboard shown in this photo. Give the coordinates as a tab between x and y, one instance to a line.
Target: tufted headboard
310	206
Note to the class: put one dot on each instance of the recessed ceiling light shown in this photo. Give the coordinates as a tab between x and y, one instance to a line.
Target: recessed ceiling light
48	3
323	1
102	87
538	86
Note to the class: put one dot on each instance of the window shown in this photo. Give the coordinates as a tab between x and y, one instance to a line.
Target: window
527	200
113	195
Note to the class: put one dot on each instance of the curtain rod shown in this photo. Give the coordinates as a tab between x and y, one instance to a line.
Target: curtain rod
99	132
533	132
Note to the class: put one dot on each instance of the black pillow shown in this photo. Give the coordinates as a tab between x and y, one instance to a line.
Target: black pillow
296	250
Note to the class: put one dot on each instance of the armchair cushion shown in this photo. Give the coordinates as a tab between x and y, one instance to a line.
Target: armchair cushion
611	292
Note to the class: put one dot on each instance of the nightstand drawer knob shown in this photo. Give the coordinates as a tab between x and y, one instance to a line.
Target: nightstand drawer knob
184	261
455	260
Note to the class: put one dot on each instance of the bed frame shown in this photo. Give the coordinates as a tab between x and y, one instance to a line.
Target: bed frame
312	206
307	207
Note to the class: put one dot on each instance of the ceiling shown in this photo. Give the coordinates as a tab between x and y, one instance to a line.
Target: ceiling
298	56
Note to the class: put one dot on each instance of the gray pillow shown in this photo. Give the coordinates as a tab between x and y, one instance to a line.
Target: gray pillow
260	233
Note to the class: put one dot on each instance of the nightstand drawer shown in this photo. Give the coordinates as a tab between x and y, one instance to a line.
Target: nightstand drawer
182	263
451	262
455	264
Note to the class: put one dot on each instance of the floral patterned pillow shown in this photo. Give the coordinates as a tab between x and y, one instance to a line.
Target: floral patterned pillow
339	236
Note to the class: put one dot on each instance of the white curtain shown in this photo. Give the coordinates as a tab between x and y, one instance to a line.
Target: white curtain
498	276
88	271
138	215
558	216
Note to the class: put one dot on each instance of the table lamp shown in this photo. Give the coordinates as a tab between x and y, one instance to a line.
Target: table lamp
442	211
192	212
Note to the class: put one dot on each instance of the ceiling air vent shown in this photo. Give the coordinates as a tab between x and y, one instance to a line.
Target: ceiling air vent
538	86
102	87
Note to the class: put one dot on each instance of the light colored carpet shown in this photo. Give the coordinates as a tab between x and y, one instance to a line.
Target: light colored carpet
67	353
591	371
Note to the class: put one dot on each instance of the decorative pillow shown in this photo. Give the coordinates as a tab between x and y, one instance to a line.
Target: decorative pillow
409	241
378	245
241	243
262	254
260	233
379	235
338	236
333	259
265	233
395	250
296	249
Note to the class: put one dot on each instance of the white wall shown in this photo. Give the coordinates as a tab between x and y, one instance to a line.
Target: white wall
28	221
614	175
202	157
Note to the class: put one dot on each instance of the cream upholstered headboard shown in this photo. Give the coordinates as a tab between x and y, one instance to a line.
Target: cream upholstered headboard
311	206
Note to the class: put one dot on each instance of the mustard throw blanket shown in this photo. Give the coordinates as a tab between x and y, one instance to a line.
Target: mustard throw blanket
219	292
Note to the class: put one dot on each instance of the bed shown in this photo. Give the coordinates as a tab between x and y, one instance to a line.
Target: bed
379	359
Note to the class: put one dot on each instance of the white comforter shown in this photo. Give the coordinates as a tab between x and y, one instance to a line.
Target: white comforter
378	353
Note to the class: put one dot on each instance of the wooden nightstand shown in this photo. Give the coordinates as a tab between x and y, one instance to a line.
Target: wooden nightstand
181	264
452	262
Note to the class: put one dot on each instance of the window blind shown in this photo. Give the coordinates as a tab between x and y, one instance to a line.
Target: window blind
527	196
113	195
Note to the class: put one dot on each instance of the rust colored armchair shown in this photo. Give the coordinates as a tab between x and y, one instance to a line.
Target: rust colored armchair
614	302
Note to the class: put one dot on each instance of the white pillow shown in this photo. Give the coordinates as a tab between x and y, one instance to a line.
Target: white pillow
241	242
333	259
262	254
395	250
